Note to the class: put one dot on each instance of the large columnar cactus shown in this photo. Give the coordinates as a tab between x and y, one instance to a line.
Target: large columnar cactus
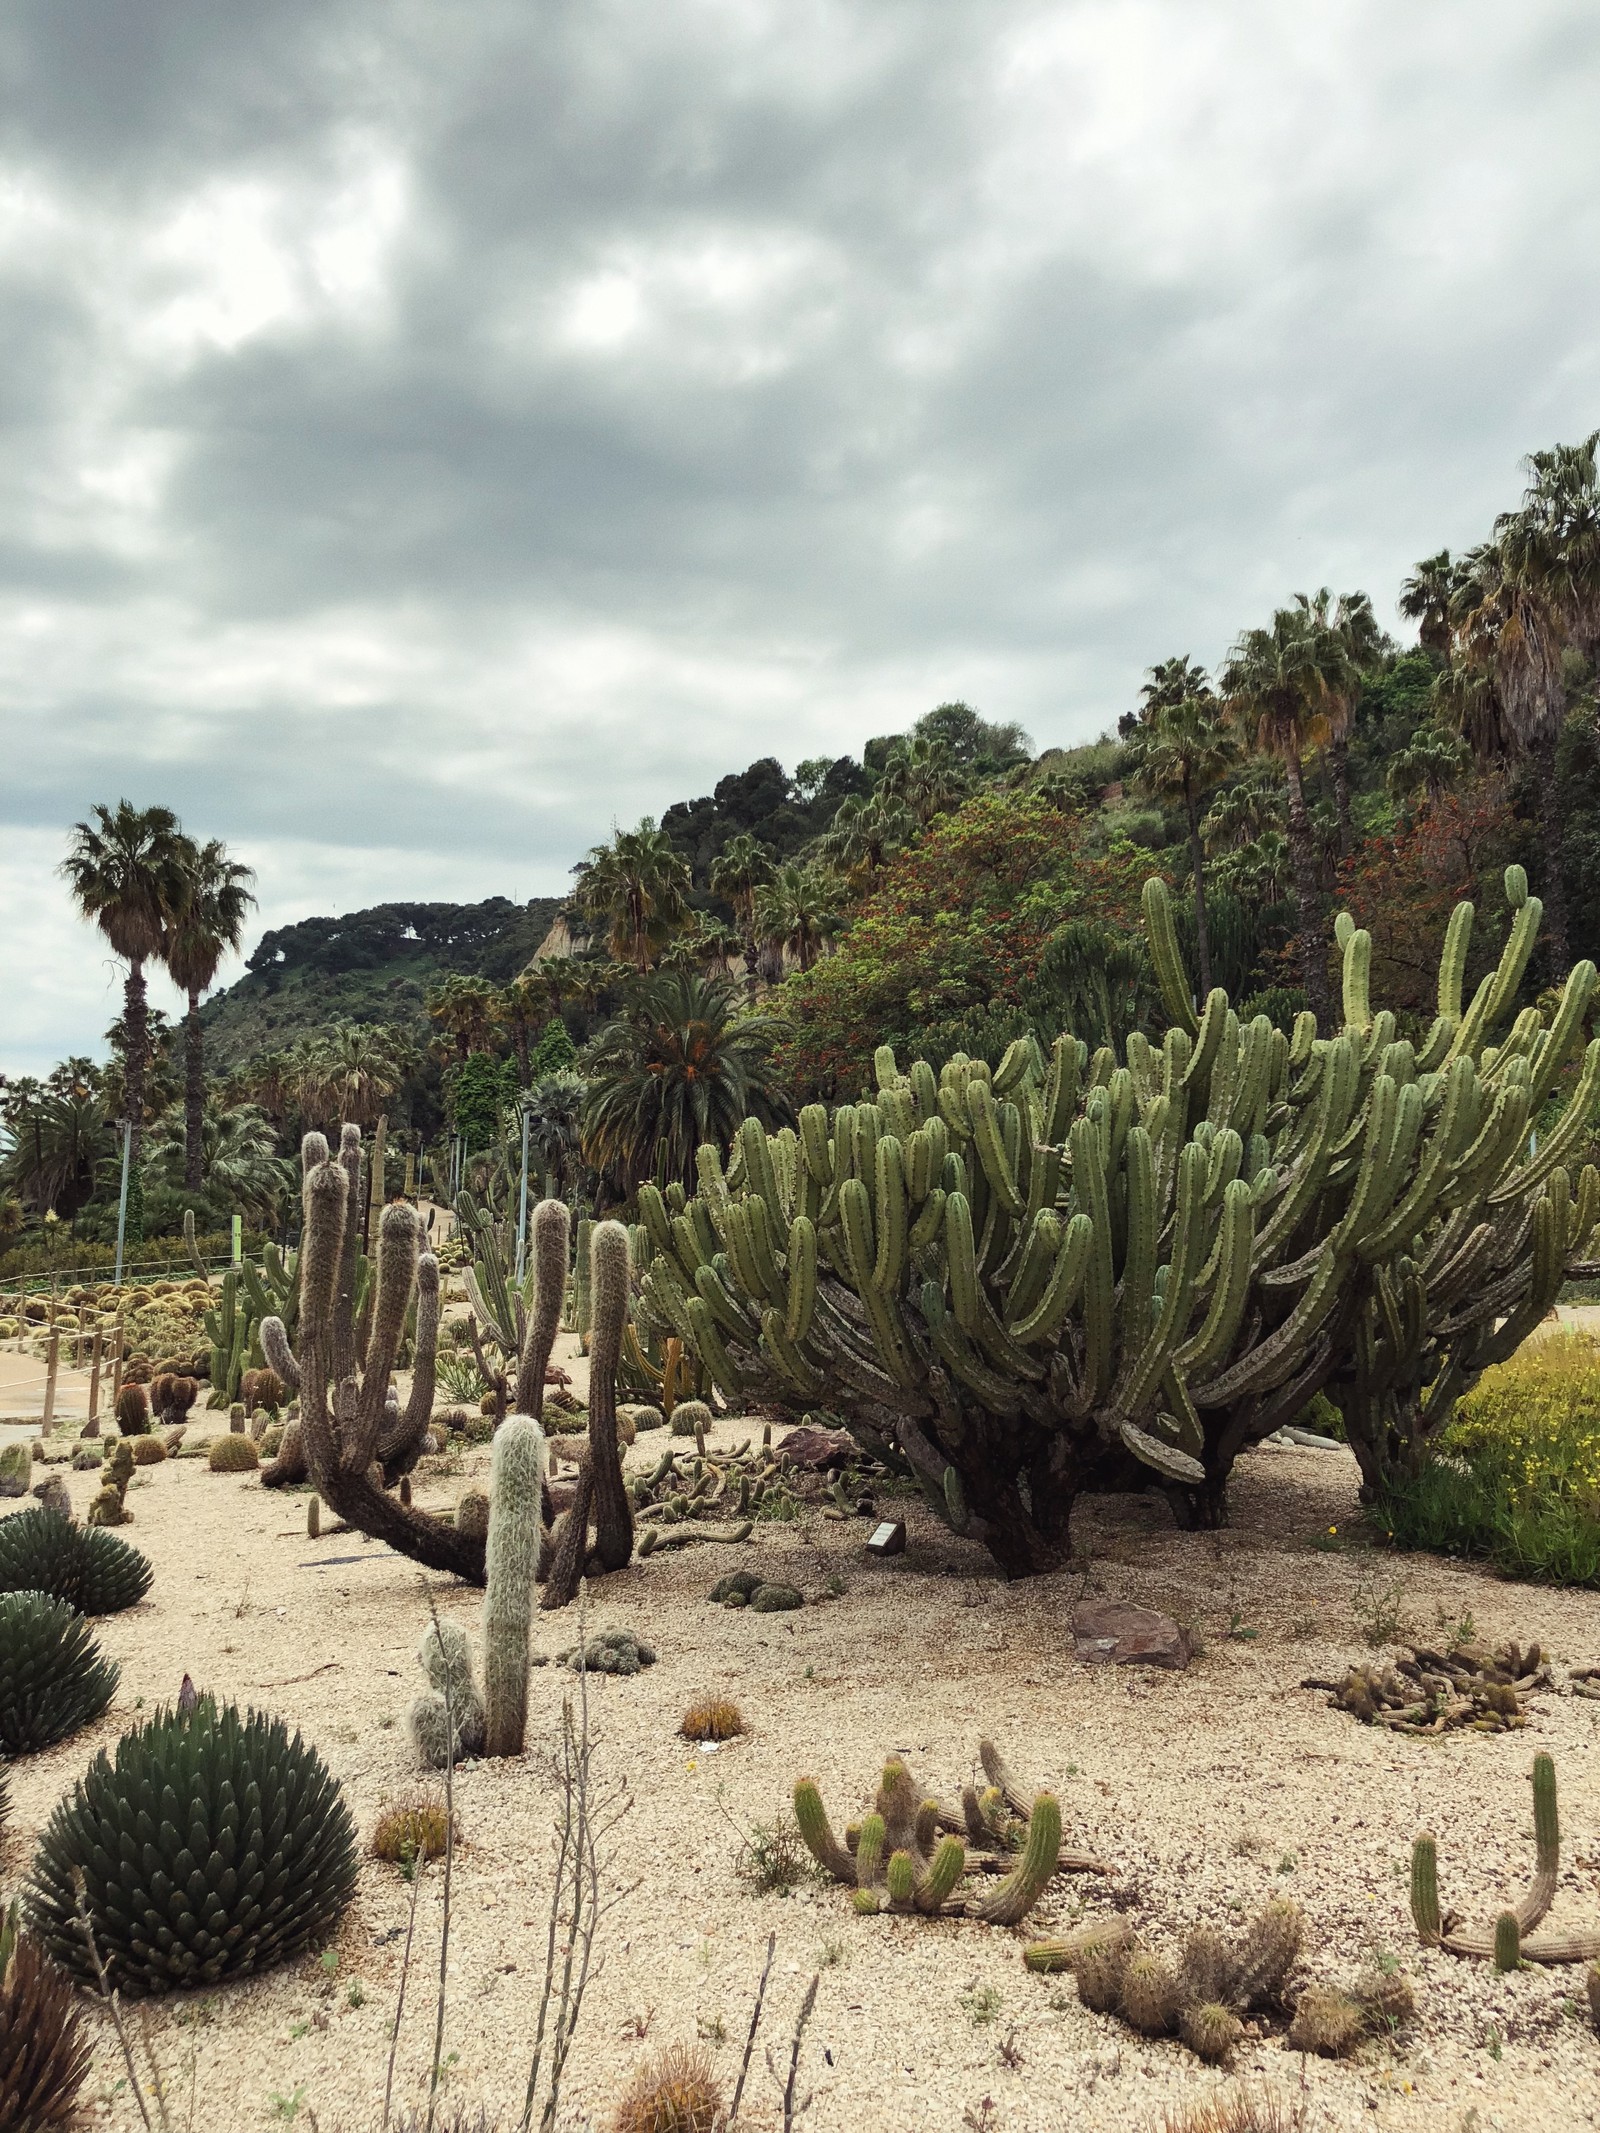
355	1439
512	1559
1512	1936
600	1494
1078	1271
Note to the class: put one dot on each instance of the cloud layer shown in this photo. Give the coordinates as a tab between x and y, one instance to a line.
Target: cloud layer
435	433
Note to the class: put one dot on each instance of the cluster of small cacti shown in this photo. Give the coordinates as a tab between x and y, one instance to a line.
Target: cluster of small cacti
172	1396
1080	1272
264	1851
610	1651
1513	1937
911	1854
743	1483
54	1678
753	1589
110	1507
91	1570
1215	1980
45	2052
1427	1691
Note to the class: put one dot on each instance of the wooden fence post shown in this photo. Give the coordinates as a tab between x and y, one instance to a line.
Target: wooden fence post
92	1427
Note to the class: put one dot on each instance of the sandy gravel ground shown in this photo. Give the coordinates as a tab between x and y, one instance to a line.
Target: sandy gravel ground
1210	1791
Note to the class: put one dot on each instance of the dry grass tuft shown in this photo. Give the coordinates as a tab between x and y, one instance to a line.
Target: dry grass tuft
674	2091
712	1718
1237	2111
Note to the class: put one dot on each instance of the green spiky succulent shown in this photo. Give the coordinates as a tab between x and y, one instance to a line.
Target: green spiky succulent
54	1678
212	1845
84	1565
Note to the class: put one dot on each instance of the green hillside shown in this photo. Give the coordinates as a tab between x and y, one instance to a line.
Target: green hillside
376	965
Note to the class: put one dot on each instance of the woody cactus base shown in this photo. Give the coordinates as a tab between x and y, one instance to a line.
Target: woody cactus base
1082	1271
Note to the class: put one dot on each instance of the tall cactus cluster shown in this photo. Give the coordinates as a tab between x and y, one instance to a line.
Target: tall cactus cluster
355	1440
1081	1270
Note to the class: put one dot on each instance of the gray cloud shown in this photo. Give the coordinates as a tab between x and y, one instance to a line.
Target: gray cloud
435	433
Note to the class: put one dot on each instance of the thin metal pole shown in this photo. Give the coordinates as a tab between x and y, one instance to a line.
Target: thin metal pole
122	1198
522	1208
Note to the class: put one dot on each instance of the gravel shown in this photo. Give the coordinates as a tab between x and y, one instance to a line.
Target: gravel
1210	1790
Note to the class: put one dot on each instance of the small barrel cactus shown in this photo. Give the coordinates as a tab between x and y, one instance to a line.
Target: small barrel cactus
261	1868
232	1454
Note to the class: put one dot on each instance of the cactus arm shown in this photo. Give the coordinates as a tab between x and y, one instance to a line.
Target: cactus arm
1012	1899
399	1451
1162	936
609	1288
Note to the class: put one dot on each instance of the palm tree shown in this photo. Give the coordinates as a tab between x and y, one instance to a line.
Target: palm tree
1352	647
1426	598
1178	754
922	773
555	1130
1251	804
1431	761
741	868
125	869
1276	684
57	1138
243	1167
354	1070
1171	682
637	887
680	1065
1520	601
466	1009
206	926
1509	635
799	910
865	831
517	1007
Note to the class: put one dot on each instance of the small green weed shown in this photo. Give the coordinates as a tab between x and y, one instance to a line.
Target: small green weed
983	2004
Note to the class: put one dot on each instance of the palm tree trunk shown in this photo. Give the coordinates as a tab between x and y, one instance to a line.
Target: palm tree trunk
136	1047
1313	960
1202	937
519	1044
1553	835
194	1098
1339	769
752	957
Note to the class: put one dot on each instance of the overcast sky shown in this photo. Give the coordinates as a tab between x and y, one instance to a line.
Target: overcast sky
433	432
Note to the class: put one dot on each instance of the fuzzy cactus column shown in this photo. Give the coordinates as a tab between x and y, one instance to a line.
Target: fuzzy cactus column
512	1556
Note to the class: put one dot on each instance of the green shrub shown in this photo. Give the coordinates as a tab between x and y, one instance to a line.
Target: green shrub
262	1866
1517	1476
87	1567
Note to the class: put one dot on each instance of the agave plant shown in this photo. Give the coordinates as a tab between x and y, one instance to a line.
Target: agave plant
89	1568
44	2055
54	1678
263	1865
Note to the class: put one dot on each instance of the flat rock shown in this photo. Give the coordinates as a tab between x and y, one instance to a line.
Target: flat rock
1115	1633
816	1450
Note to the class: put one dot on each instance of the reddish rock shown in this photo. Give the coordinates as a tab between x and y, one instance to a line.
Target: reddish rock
816	1450
1115	1633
